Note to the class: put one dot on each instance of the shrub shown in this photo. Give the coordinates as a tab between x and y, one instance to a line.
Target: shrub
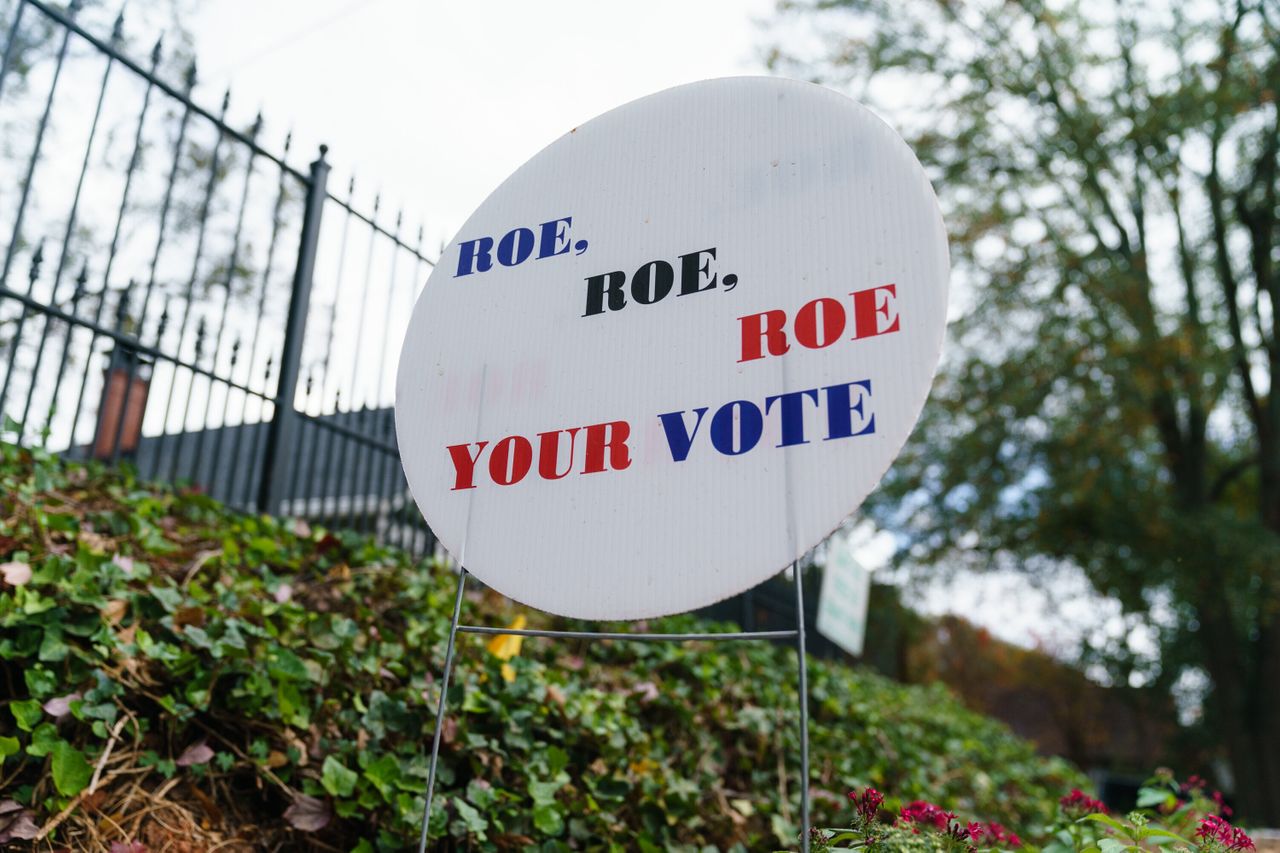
177	673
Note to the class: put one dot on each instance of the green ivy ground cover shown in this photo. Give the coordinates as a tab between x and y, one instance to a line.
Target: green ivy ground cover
176	673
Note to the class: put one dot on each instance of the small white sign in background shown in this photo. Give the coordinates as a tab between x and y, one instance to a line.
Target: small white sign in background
842	604
675	349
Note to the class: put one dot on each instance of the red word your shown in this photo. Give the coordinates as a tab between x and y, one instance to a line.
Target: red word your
511	459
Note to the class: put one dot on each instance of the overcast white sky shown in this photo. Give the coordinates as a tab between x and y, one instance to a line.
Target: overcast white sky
436	103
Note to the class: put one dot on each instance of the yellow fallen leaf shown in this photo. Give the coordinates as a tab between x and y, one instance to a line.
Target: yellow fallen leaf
508	673
643	767
507	646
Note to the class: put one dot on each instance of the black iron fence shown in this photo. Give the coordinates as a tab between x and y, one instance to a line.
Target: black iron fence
176	294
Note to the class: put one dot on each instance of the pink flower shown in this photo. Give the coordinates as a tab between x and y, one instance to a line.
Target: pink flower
1079	804
1000	835
927	814
868	805
1213	828
995	834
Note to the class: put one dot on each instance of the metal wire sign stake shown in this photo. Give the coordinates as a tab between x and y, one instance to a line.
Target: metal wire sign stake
694	331
797	634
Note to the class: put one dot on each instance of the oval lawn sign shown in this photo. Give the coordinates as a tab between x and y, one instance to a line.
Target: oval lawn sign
675	349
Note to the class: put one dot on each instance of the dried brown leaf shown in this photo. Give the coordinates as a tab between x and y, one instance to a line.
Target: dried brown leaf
197	753
189	616
115	610
308	813
15	573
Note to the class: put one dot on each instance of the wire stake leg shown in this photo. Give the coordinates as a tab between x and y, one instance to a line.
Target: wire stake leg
444	692
804	710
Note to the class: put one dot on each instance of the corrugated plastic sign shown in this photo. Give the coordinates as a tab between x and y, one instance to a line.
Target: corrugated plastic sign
842	603
675	349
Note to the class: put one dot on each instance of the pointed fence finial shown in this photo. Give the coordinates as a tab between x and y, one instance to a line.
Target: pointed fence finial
164	320
37	259
122	306
81	280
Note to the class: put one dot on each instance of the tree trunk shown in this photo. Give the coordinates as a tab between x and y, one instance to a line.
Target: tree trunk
1241	706
1266	718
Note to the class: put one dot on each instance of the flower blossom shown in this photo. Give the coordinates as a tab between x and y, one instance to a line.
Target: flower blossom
1213	828
994	833
926	814
868	805
1079	804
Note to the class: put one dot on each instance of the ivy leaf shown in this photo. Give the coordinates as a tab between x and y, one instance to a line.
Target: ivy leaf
40	681
43	740
286	666
474	821
170	599
547	819
336	778
544	793
26	713
71	771
383	773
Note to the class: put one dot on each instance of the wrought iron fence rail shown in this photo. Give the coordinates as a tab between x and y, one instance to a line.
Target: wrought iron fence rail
196	388
348	433
129	341
368	220
172	91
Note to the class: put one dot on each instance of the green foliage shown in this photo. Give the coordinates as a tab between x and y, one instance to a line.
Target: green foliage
292	674
1109	173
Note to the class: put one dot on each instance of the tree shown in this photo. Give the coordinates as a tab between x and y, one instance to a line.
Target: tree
1109	175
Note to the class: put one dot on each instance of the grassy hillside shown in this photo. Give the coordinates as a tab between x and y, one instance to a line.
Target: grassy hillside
175	673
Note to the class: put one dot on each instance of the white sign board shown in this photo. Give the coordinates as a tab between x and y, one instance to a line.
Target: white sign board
675	349
842	604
